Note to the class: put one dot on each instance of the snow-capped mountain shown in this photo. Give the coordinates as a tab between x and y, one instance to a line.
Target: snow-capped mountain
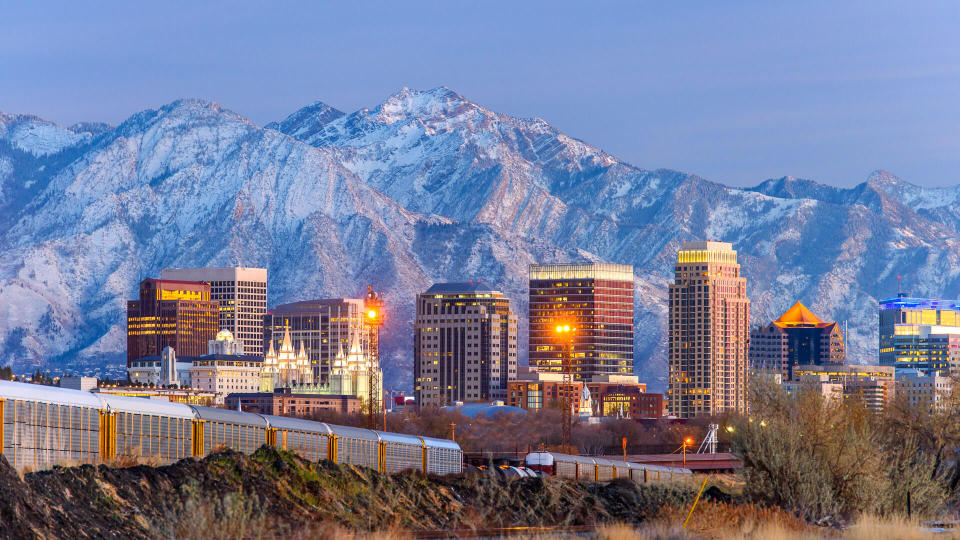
427	186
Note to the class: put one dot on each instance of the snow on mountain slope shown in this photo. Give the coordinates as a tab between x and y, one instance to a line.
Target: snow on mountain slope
426	186
38	137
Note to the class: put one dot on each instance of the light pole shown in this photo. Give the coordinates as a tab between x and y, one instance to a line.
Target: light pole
565	333
686	442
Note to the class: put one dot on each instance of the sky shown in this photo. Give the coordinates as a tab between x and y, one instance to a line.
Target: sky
736	92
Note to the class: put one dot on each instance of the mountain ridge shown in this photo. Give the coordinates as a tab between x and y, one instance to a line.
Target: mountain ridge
426	186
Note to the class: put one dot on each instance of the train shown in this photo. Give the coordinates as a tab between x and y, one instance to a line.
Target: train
599	469
42	426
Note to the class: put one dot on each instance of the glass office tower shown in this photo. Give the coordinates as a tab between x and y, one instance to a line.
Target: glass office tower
596	299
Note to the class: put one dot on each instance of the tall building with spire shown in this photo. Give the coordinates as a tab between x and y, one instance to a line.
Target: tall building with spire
325	326
709	332
796	338
285	367
353	373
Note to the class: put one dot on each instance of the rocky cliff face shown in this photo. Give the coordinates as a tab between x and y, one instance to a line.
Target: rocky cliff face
427	186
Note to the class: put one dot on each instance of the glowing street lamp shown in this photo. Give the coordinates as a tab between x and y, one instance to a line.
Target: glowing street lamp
686	442
565	332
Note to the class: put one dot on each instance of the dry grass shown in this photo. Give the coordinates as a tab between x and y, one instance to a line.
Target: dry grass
722	520
872	528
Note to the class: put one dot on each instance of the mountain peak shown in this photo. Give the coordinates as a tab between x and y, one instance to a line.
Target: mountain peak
436	102
35	135
884	179
307	121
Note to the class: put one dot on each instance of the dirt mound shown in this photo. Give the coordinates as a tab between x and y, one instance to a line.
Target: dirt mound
273	493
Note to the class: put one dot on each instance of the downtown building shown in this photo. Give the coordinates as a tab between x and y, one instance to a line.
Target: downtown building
709	332
242	296
170	313
326	328
798	337
594	298
874	386
464	344
921	334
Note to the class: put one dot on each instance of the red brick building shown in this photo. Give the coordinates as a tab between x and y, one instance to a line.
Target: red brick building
541	394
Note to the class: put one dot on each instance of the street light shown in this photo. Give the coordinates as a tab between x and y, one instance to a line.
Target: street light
565	332
686	442
729	429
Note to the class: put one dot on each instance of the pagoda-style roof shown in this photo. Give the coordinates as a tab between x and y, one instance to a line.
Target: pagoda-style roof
800	316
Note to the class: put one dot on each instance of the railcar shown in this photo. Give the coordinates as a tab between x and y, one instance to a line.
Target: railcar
146	427
598	469
310	440
41	426
225	428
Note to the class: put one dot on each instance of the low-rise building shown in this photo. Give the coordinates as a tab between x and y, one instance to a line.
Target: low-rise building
927	390
623	396
84	384
284	403
814	382
875	386
147	370
535	390
226	374
187	396
610	395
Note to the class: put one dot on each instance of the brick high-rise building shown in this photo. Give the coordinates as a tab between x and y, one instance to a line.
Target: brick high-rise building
178	314
242	295
709	331
464	344
596	299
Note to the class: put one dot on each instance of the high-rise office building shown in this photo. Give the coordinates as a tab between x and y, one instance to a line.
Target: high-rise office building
170	313
325	327
242	295
709	331
464	344
797	338
920	333
597	300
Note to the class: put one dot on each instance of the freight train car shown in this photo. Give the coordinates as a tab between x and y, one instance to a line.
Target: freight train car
41	426
598	469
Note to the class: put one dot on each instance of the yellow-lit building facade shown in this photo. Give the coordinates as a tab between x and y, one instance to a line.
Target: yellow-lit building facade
709	332
594	298
920	333
170	313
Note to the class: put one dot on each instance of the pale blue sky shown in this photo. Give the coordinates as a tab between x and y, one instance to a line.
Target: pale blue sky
734	91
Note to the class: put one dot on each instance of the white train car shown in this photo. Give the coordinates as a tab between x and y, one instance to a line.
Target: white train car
599	469
41	426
